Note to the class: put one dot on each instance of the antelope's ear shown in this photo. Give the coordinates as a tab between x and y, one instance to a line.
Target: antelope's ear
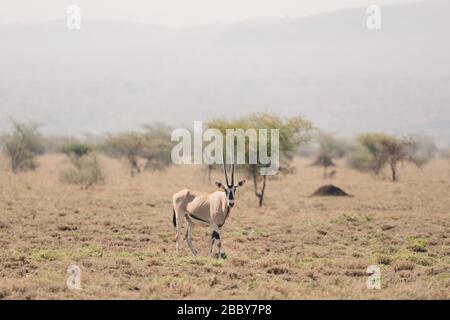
219	184
241	183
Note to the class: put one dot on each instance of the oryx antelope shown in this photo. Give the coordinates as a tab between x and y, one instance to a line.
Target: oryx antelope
200	209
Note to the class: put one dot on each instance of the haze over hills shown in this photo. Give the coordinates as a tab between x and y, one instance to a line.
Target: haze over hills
113	76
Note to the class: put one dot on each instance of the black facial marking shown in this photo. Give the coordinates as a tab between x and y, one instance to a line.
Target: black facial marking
230	193
215	235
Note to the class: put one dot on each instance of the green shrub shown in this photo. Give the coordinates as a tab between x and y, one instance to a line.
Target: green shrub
87	173
417	245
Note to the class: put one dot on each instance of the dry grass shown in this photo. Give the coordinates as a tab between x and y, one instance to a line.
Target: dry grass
120	233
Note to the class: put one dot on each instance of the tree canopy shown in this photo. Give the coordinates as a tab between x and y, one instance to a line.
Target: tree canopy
292	133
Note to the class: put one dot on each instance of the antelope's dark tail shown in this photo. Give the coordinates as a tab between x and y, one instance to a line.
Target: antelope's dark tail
174	219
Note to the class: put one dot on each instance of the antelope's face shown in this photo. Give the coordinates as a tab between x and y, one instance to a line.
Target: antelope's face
230	191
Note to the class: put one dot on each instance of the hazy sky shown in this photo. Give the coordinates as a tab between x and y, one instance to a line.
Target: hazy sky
173	13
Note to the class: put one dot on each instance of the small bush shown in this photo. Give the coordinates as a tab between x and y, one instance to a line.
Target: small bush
86	174
417	245
402	265
384	259
157	147
22	146
353	218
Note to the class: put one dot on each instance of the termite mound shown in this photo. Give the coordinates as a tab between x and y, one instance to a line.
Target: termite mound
330	190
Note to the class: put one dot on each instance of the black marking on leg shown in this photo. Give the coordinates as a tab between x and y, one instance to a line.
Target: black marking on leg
174	219
215	235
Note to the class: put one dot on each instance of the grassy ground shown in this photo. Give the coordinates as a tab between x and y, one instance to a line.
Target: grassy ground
121	235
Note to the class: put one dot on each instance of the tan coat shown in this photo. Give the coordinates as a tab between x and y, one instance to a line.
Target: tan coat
201	208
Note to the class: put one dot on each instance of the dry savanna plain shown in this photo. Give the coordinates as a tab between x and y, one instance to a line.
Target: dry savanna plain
120	234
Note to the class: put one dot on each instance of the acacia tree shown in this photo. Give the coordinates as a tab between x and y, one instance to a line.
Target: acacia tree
153	144
375	151
128	145
156	146
421	150
292	133
394	150
76	150
22	146
329	148
368	154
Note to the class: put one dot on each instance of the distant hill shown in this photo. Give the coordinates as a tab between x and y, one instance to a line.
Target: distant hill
112	76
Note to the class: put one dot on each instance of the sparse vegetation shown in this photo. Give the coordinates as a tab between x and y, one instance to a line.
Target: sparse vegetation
262	258
122	238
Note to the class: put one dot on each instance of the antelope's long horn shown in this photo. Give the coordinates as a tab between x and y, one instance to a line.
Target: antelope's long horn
232	174
225	168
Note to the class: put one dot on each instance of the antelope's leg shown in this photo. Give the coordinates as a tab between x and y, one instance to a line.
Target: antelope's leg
179	220
219	245
189	239
215	238
177	240
211	242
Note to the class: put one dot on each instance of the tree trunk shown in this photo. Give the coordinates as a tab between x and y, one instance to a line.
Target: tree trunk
255	183
14	162
394	171
260	195
134	165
